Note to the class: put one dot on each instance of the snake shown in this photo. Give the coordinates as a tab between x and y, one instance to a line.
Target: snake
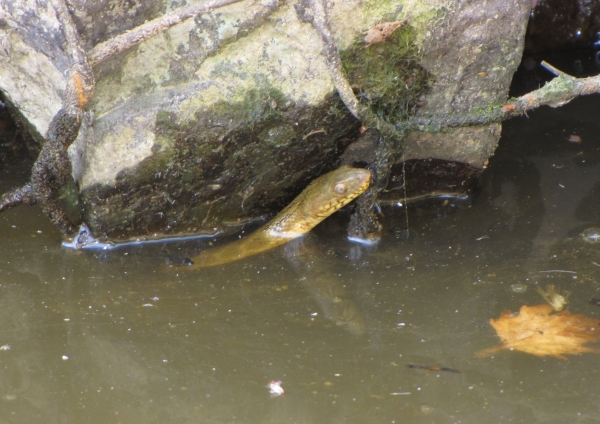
321	198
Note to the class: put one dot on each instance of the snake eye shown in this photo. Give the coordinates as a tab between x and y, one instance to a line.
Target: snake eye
340	188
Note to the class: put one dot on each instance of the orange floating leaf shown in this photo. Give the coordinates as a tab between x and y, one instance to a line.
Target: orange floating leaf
535	330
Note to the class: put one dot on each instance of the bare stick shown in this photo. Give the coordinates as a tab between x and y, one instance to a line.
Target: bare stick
332	55
81	83
559	91
135	36
553	70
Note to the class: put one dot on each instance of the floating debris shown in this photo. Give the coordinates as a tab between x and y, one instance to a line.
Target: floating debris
554	298
434	368
566	271
574	138
275	388
534	330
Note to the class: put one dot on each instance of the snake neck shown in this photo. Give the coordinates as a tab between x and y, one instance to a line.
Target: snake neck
321	198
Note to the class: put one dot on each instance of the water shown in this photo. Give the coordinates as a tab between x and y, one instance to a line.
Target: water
115	337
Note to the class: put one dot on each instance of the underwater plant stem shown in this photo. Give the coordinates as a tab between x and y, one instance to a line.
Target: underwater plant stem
135	36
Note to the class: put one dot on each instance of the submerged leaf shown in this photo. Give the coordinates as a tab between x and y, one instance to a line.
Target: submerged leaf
534	330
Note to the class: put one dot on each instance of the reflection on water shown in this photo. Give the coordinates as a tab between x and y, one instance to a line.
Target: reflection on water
356	334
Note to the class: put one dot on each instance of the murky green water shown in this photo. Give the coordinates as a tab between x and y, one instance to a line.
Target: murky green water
114	337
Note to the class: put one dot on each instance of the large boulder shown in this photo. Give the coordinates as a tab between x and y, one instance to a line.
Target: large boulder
228	115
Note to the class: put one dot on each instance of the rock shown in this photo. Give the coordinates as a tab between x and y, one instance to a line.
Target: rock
228	115
472	51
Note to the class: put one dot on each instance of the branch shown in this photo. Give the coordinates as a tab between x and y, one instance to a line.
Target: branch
135	36
364	225
561	90
16	197
554	70
320	22
81	82
52	169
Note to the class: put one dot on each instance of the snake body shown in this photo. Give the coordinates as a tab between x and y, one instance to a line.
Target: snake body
320	198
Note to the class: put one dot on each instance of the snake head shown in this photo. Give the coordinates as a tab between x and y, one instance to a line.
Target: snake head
321	198
333	191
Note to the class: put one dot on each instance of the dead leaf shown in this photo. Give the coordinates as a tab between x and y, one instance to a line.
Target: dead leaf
535	330
380	32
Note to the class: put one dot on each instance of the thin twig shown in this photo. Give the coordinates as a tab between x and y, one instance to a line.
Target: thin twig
559	91
135	36
554	70
332	55
559	270
80	83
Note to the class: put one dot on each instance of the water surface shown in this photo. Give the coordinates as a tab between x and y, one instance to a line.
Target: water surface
116	337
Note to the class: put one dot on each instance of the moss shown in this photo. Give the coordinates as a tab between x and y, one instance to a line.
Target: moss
386	77
68	198
380	8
